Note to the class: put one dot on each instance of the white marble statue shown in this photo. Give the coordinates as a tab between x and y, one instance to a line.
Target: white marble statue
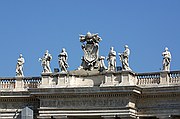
45	62
166	60
112	60
124	57
19	66
102	66
62	60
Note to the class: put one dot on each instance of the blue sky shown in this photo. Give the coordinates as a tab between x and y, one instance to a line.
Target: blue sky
31	27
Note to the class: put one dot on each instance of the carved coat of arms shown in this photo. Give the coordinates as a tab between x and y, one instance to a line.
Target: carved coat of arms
91	50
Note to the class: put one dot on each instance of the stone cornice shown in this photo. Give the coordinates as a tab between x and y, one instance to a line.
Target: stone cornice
159	92
94	92
14	94
121	89
18	99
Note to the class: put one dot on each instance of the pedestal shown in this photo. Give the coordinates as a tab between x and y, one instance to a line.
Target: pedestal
127	78
164	79
47	80
19	85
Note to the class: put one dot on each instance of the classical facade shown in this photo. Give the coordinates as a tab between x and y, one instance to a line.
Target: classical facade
92	92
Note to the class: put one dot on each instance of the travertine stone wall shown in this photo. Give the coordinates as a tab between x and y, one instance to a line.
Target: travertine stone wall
82	94
159	101
12	103
104	101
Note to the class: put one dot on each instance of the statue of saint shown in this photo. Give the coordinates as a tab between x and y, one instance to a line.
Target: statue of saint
102	66
166	60
19	66
124	57
45	62
62	57
112	60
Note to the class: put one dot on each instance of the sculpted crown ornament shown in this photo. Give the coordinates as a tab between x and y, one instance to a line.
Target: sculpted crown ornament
90	47
90	38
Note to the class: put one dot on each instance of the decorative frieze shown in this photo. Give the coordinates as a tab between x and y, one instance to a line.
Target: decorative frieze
72	103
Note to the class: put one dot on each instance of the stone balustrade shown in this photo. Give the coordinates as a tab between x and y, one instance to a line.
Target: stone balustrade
174	77
148	78
7	83
158	78
19	83
119	78
33	82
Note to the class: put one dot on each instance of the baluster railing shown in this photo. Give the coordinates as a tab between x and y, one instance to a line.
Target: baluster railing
26	82
7	83
32	82
174	77
148	78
